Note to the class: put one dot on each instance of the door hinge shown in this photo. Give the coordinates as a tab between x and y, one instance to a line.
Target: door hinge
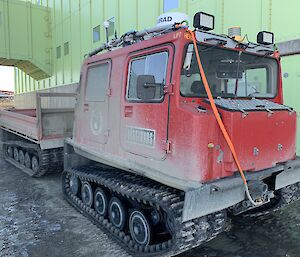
167	146
108	91
168	89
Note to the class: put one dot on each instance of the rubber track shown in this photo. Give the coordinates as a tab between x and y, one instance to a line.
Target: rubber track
186	235
50	160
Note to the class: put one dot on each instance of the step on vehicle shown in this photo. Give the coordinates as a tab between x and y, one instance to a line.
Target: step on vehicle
175	130
33	139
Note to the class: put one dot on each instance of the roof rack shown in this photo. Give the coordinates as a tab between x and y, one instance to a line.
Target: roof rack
133	36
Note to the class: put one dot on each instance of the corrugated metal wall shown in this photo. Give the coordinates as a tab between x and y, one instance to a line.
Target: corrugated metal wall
73	21
72	25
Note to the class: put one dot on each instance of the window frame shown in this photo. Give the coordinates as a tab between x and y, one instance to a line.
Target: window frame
140	56
93	65
229	49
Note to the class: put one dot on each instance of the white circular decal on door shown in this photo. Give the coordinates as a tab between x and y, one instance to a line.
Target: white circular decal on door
96	123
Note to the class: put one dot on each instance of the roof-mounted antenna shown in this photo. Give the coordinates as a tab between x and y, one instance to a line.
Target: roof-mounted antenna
131	36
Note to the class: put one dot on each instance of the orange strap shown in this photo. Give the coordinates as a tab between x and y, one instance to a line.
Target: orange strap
215	110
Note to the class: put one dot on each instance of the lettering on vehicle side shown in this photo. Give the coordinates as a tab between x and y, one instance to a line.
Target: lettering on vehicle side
140	136
165	19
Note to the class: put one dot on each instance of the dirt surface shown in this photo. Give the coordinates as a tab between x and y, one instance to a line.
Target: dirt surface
36	221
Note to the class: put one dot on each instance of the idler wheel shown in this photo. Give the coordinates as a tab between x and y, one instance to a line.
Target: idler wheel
140	228
35	165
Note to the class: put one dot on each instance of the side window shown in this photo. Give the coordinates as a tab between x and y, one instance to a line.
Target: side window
97	83
147	78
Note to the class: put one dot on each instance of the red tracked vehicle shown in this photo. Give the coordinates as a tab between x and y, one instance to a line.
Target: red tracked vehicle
148	161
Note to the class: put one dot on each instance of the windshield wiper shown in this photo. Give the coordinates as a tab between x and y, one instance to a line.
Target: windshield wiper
237	75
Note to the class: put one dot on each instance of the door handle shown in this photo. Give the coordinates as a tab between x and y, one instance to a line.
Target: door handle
85	107
128	111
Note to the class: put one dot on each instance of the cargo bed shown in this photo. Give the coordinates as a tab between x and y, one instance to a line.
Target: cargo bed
46	127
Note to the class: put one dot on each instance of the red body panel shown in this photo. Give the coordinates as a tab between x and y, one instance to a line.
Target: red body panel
198	151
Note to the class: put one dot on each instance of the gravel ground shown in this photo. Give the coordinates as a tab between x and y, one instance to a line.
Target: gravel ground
35	221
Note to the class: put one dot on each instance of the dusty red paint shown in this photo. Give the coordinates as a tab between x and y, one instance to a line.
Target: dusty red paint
190	132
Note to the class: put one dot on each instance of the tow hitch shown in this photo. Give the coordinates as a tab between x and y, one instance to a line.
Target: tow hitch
260	193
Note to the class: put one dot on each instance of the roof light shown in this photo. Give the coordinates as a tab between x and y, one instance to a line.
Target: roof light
204	21
265	38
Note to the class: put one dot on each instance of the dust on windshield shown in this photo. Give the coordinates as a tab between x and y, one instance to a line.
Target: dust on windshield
230	74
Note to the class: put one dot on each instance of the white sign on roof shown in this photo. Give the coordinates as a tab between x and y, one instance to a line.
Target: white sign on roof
170	18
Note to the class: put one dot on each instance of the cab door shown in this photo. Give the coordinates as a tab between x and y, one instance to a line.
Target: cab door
94	116
144	117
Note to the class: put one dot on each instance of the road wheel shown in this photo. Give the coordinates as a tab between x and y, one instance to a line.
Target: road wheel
16	154
21	157
100	201
140	228
10	151
87	194
27	160
117	213
35	166
74	184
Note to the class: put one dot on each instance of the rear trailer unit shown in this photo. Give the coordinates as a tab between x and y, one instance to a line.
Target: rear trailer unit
33	139
175	130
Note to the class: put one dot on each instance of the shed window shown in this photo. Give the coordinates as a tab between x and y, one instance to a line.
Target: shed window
97	83
170	5
96	34
150	70
58	52
66	48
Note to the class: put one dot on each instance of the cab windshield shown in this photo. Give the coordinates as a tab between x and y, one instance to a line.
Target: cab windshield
230	74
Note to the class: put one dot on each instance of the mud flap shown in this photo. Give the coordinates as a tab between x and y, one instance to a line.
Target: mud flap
212	197
289	176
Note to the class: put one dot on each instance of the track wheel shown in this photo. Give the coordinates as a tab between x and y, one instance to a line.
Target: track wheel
16	154
35	165
74	184
27	160
100	201
117	213
87	194
21	157
140	228
10	151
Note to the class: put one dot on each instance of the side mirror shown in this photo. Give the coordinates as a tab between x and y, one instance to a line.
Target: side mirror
143	87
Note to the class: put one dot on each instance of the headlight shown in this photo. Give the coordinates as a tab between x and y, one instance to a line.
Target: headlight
204	21
265	38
